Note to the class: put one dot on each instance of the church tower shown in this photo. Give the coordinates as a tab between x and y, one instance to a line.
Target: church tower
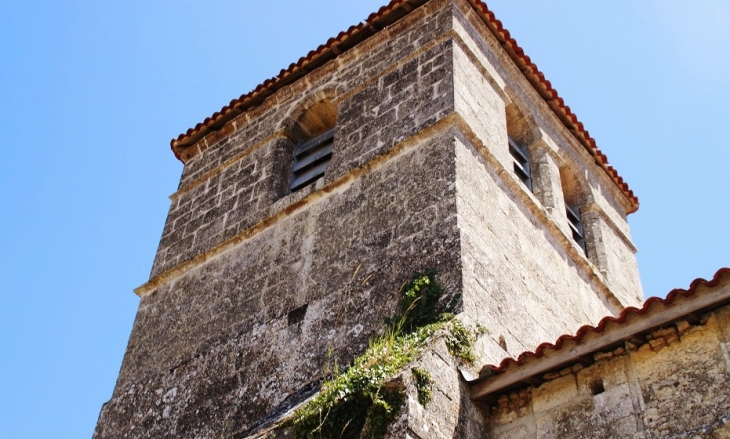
422	139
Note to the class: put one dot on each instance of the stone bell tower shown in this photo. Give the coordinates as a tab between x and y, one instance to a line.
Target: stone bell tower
421	139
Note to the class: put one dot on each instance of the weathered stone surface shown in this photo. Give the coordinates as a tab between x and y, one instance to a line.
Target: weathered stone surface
254	290
684	384
232	184
225	204
404	101
450	413
514	270
674	387
485	75
231	348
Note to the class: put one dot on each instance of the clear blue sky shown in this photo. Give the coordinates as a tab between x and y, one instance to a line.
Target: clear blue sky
92	92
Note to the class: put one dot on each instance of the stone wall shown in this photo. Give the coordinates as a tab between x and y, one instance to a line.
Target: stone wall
486	82
519	281
226	203
216	349
397	84
449	413
674	385
255	290
525	279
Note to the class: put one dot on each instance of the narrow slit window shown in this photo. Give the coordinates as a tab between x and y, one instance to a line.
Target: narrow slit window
311	159
521	163
575	225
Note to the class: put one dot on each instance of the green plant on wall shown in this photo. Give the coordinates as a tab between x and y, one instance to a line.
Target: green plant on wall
362	401
419	301
460	341
423	385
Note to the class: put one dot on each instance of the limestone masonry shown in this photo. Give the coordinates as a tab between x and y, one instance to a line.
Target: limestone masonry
422	139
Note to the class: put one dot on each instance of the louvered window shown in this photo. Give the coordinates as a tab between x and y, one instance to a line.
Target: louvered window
575	225
311	159
521	163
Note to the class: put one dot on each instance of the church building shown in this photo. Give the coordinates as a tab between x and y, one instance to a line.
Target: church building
420	150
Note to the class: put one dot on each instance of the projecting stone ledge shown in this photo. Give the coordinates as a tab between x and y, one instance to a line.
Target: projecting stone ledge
447	412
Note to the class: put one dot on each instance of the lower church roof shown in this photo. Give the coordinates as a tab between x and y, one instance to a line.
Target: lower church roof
611	332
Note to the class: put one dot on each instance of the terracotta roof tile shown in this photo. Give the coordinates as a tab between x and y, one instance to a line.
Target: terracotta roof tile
376	21
601	326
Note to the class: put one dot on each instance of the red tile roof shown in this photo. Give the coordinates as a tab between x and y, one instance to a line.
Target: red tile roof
632	325
386	15
673	295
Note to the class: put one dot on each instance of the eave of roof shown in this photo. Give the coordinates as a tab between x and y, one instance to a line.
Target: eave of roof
377	21
655	313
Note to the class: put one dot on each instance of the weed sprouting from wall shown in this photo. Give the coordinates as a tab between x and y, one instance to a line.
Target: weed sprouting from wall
460	341
419	301
423	385
363	400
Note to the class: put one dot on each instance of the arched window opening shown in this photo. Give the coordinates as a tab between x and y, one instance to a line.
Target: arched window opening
520	163
519	136
574	197
316	128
